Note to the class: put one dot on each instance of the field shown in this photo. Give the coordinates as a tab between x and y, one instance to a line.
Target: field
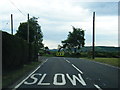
110	61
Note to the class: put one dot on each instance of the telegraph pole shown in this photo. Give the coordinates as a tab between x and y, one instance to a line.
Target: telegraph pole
93	35
11	24
28	30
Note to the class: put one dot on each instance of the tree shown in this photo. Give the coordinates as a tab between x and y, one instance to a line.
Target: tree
75	40
59	48
47	50
35	36
35	33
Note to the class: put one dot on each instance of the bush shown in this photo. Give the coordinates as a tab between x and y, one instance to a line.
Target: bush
76	55
67	54
15	52
89	54
84	54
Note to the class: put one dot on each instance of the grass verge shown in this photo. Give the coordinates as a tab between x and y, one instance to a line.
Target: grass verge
110	61
11	77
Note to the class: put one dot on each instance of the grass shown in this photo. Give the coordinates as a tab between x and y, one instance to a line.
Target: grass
48	55
110	61
11	77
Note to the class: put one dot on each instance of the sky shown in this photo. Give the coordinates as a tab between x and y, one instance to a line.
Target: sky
57	16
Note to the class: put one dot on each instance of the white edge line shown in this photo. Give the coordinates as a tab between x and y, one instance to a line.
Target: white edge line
77	69
97	87
18	85
46	60
26	77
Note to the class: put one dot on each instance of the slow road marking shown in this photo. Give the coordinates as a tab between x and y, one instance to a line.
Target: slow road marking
55	82
18	85
41	80
58	78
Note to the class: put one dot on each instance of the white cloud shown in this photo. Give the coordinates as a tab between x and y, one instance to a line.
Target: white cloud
96	0
107	25
57	16
51	44
107	43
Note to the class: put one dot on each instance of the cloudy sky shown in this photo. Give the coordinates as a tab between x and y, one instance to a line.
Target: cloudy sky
57	16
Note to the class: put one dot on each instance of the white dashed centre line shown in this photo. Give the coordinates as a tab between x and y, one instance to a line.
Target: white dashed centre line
77	69
82	73
68	61
74	66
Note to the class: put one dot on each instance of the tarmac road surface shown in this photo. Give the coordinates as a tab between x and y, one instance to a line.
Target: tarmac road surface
62	72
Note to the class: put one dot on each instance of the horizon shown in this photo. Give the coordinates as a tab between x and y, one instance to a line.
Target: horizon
92	46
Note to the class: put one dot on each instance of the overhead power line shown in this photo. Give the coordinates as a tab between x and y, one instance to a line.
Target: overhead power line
16	7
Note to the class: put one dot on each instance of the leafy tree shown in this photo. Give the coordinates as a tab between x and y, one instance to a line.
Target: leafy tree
59	48
47	50
75	40
35	33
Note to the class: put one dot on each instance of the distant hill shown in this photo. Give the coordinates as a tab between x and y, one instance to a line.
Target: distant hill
97	48
101	49
54	50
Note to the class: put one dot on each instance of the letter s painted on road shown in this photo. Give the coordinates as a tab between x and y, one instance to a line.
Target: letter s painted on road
34	79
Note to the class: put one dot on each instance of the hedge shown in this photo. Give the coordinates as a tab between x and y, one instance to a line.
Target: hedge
15	52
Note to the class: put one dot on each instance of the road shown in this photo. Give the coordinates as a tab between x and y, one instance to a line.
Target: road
62	72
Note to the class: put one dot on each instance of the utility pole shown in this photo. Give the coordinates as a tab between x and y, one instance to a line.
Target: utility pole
28	38
11	24
28	30
93	36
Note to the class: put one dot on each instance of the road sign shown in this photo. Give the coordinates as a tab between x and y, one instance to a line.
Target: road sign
60	53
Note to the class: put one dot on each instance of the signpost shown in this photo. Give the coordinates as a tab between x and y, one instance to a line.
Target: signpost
28	30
